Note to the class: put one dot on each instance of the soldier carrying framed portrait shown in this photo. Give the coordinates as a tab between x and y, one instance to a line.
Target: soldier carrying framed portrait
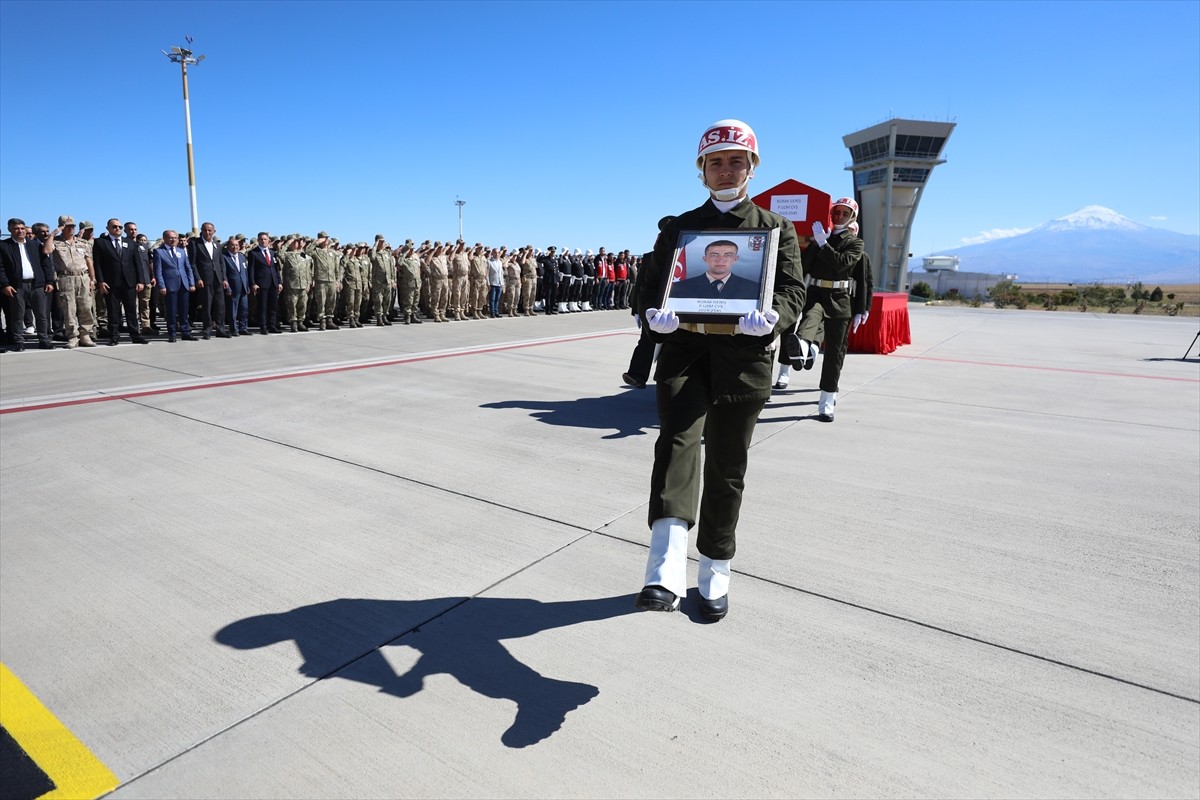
721	275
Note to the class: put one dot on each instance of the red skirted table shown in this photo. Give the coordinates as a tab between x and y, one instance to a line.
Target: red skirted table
886	328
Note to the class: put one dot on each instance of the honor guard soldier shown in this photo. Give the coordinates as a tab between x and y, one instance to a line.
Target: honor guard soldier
711	381
839	290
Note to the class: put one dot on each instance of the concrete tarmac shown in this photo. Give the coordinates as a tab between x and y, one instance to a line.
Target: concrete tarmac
401	562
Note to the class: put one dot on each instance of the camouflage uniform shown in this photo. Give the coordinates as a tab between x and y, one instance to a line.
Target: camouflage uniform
326	271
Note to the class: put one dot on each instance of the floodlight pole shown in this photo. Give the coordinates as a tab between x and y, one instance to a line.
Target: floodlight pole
182	56
460	204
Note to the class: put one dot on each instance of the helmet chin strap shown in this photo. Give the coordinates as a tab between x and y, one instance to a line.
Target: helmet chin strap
725	195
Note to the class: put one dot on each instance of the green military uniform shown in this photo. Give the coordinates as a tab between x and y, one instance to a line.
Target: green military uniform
837	288
326	272
296	270
713	385
409	269
383	275
352	287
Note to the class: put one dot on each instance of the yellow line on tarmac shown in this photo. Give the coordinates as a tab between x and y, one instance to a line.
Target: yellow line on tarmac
66	760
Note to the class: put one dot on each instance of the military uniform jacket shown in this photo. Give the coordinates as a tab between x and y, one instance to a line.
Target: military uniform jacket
410	267
70	257
325	264
741	366
297	269
840	259
382	265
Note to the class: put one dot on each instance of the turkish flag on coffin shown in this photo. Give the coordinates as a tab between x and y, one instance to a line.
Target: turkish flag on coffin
799	202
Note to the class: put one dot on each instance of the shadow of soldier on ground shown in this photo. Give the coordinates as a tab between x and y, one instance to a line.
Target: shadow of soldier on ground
630	413
780	401
341	639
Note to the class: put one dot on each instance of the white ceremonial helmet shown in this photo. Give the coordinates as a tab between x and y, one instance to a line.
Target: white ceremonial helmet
727	134
849	203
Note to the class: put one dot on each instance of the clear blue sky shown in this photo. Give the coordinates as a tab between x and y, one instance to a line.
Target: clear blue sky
575	124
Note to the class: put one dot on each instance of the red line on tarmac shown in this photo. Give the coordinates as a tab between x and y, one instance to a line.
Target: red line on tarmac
300	374
1049	369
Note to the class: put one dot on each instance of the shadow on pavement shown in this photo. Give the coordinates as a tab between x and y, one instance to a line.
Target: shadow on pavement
630	413
342	639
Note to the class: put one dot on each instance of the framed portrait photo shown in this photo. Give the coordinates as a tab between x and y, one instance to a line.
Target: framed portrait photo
721	275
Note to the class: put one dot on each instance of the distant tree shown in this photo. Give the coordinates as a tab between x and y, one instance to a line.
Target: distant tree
922	289
1156	296
1171	296
1136	291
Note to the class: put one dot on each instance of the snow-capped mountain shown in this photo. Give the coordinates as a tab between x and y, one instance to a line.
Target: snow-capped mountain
1093	244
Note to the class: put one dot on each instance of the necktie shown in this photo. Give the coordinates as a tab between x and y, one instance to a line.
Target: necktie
267	253
718	286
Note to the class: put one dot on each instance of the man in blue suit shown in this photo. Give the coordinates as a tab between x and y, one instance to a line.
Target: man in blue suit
175	278
718	280
237	293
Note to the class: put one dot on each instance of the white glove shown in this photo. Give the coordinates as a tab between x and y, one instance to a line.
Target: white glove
819	234
662	321
859	319
756	323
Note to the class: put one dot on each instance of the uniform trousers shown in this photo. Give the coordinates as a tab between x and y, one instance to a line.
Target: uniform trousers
408	294
439	294
352	295
685	413
326	294
460	287
528	291
837	332
295	304
74	299
145	298
512	294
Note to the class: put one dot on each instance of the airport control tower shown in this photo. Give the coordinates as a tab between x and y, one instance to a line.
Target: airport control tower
891	164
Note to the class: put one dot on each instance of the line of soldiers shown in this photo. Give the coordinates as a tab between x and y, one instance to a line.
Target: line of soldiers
326	284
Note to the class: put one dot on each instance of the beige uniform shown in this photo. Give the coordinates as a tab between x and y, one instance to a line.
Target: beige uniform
460	284
528	283
73	270
439	286
409	285
512	286
352	288
479	287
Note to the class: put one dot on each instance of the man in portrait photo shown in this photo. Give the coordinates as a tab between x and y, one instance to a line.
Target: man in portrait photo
718	280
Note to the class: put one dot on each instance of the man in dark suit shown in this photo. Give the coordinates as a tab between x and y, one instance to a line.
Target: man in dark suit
209	266
121	277
176	281
237	287
718	280
26	279
266	283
